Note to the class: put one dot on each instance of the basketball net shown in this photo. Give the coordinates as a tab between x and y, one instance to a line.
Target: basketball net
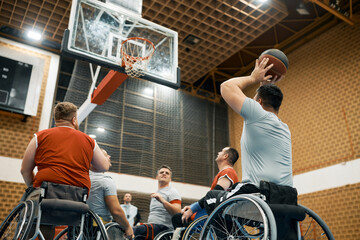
136	53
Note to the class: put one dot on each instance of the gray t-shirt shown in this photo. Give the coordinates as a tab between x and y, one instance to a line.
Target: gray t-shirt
265	146
101	185
158	214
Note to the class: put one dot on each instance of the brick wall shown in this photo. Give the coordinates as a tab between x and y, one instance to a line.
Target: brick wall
10	195
339	208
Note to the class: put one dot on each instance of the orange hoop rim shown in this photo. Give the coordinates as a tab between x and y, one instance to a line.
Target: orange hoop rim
124	54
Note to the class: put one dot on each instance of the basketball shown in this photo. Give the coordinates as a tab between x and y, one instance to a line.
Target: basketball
280	61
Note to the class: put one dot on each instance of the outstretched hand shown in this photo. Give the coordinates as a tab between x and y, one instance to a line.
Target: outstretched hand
260	70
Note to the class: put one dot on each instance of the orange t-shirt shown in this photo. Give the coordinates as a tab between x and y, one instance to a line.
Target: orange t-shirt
229	173
63	155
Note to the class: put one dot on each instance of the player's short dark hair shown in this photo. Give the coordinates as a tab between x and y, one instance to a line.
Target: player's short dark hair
164	166
233	155
65	111
270	95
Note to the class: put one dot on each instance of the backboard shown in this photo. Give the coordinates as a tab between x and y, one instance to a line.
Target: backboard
96	31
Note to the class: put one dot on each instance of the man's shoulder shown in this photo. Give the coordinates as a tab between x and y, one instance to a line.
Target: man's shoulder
168	189
45	131
252	111
251	104
228	169
100	176
62	129
171	191
128	206
132	206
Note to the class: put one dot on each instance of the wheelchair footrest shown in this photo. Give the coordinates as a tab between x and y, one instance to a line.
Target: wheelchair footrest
64	205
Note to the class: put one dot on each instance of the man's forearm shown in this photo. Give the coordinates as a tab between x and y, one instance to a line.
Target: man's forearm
239	82
172	208
120	218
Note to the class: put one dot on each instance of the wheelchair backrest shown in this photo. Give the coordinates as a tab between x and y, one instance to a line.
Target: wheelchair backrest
53	192
278	194
62	191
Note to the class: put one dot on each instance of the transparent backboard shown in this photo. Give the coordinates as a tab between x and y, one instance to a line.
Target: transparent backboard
96	31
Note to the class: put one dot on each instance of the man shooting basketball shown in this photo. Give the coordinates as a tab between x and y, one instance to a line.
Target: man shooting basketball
266	140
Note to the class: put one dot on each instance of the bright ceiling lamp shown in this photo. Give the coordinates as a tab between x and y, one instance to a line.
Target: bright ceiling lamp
148	91
34	35
100	129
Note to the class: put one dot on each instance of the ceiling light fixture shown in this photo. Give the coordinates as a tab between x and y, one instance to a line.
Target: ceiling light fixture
191	40
100	129
34	35
301	9
148	91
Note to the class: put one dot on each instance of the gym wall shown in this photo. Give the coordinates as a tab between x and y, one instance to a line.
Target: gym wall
321	107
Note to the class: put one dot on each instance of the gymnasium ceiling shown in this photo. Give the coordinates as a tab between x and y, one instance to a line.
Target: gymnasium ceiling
231	33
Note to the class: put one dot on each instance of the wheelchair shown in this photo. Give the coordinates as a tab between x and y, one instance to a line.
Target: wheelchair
264	216
113	231
53	205
191	232
17	224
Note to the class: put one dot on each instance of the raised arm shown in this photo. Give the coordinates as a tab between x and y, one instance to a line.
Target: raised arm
232	89
99	162
28	163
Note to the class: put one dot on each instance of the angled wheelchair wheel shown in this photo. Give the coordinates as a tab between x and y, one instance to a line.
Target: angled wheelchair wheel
313	227
93	229
18	223
193	231
165	235
114	231
241	217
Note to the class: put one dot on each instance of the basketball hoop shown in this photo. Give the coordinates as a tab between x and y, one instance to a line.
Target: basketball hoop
136	53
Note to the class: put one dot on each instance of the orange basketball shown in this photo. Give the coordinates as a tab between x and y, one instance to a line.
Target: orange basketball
280	61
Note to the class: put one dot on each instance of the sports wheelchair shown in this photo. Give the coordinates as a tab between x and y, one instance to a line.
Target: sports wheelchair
53	205
271	214
191	232
113	231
